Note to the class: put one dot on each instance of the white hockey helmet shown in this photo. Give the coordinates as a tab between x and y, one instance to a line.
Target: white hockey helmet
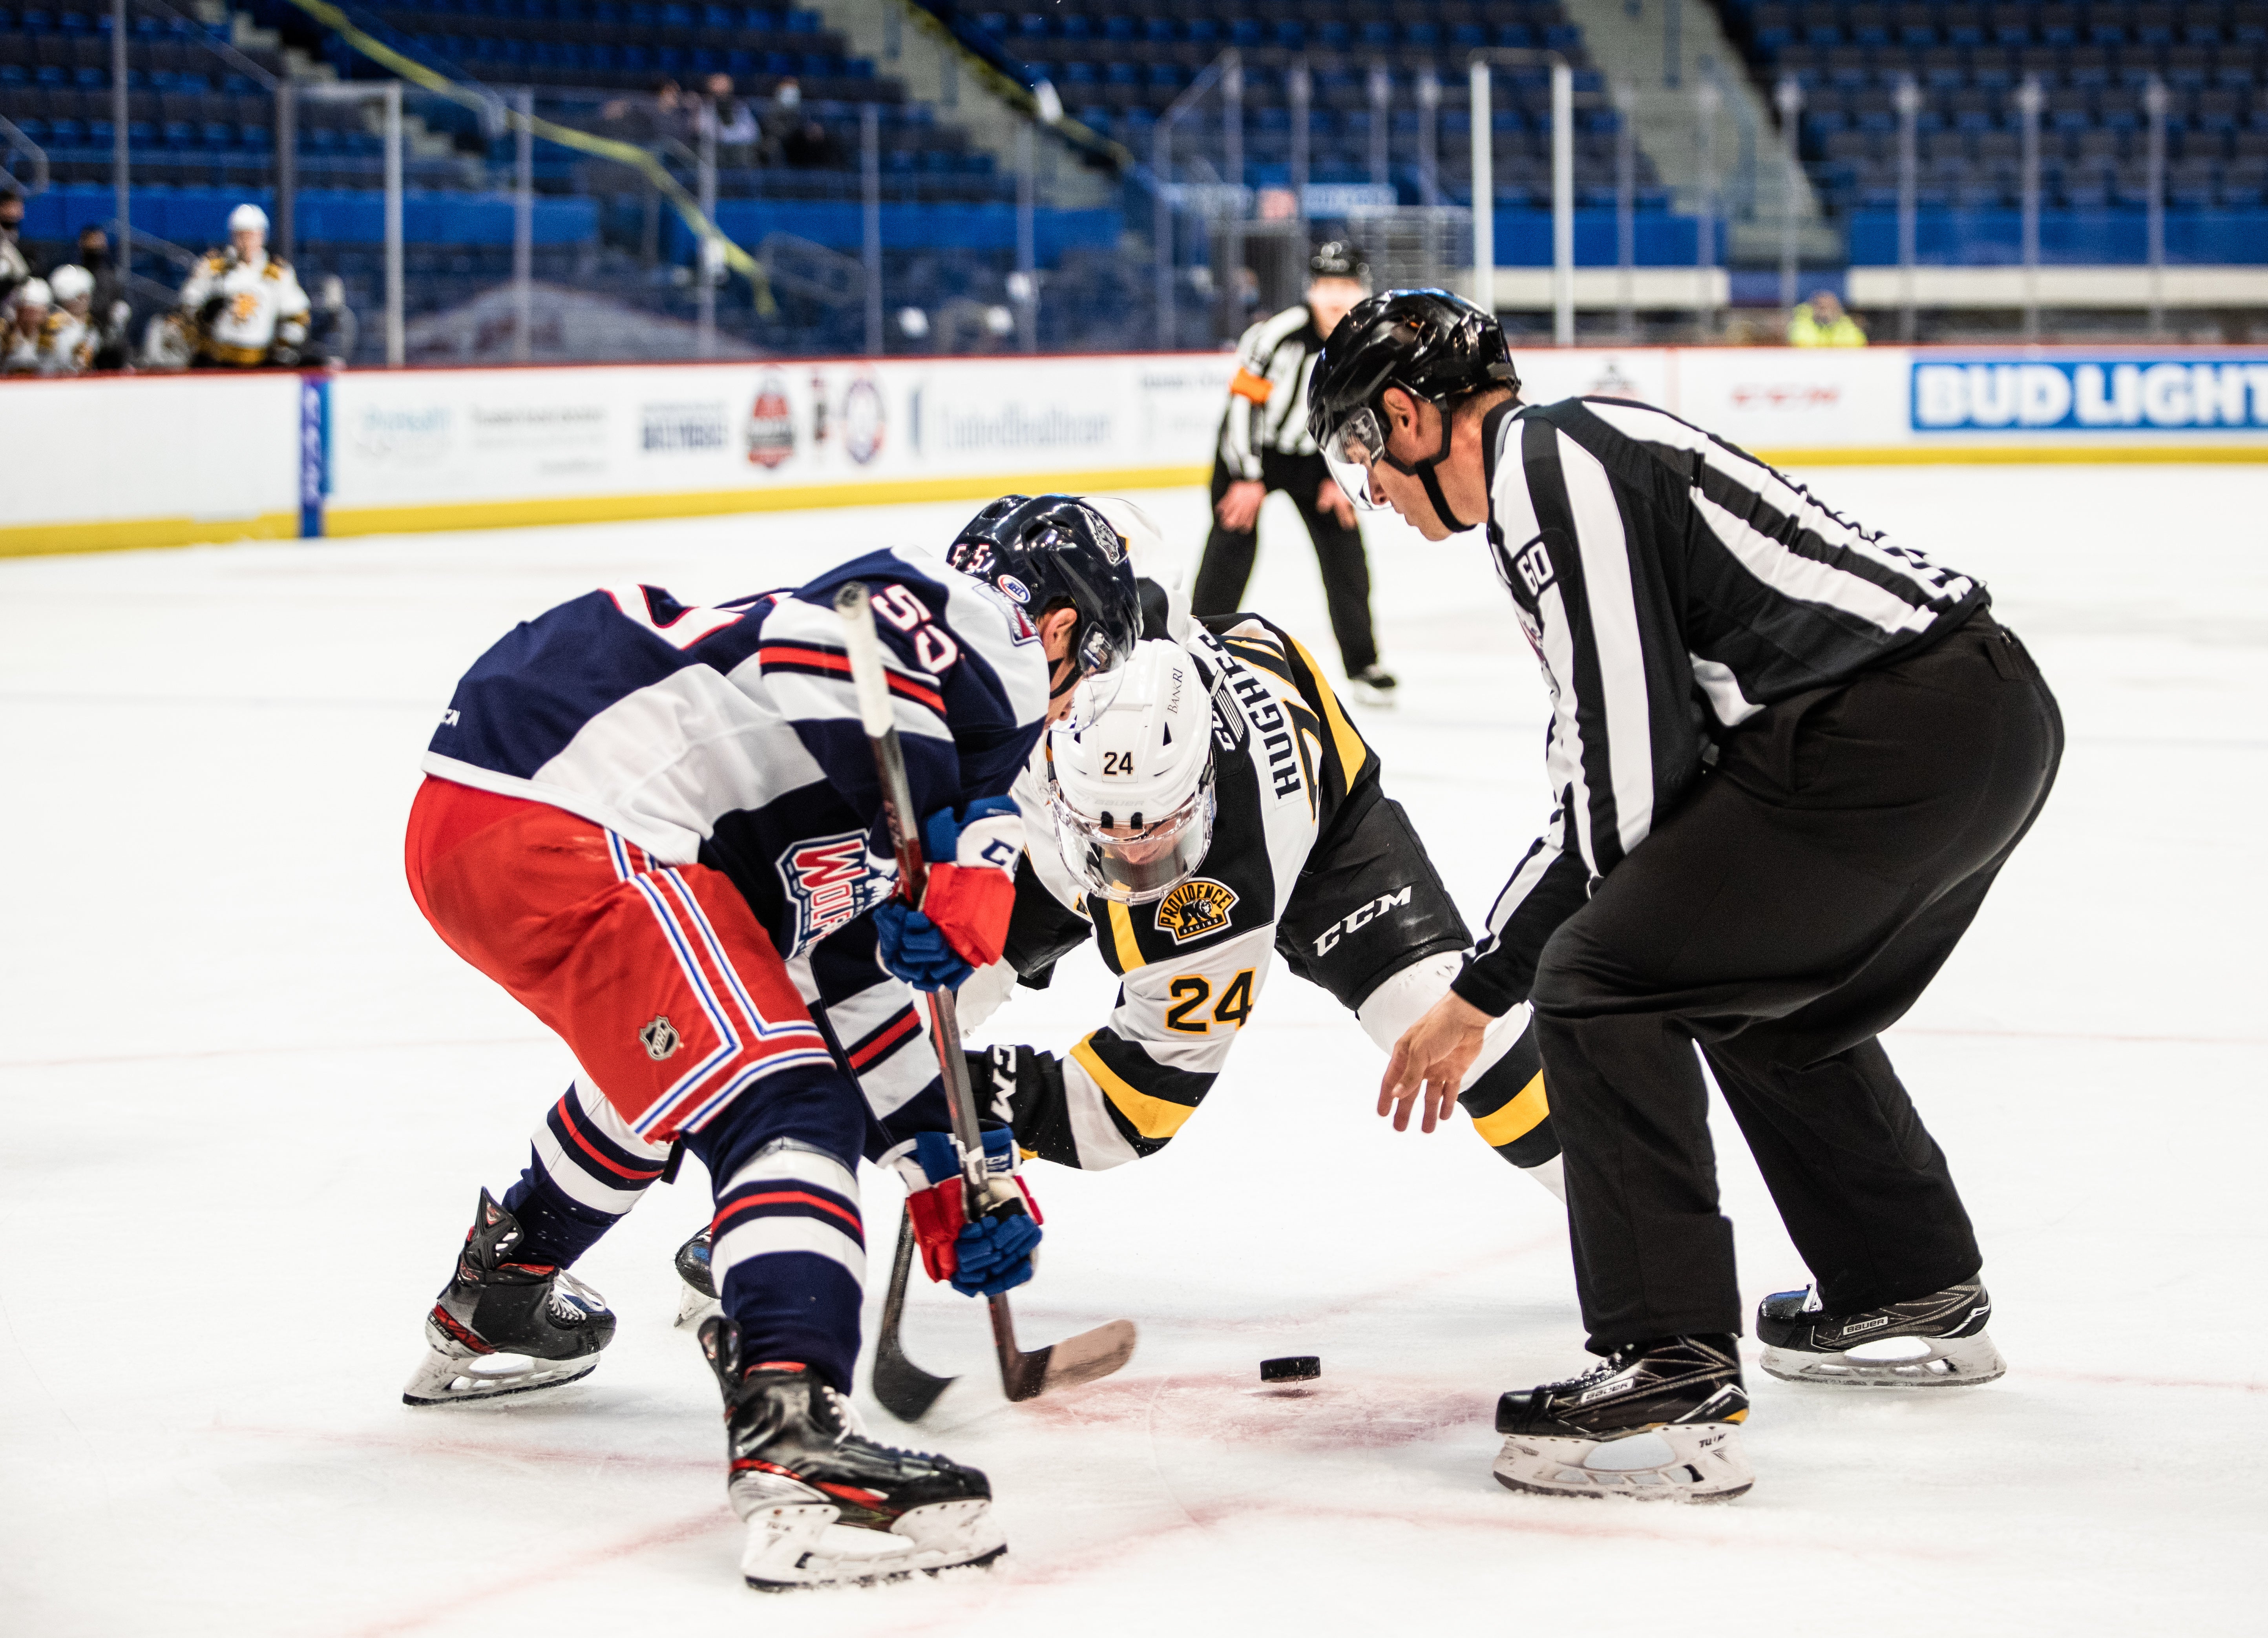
33	292
1132	793
70	282
248	216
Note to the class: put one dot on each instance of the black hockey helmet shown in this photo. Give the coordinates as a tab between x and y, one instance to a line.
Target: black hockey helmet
1339	258
1045	552
1428	343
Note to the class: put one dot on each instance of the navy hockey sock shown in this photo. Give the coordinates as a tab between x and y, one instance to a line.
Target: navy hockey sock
585	1169
789	1252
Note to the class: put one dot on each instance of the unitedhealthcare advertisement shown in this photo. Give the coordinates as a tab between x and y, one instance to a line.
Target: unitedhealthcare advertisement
2125	395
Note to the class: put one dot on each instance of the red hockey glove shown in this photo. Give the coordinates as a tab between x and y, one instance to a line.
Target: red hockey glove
972	875
993	1253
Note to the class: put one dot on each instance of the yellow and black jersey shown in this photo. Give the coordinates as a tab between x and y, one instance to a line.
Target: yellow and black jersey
1310	861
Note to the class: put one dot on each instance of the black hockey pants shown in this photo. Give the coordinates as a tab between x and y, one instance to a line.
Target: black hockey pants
1789	911
1226	566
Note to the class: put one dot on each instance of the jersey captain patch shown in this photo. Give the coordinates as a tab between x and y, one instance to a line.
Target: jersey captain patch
1195	910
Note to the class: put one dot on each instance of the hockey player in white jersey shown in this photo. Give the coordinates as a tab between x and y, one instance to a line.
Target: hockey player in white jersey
40	336
643	819
1219	810
244	306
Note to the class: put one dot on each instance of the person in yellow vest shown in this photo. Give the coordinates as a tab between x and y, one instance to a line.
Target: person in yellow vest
1821	322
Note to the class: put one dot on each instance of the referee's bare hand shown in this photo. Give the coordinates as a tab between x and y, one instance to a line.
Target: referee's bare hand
1430	1061
1240	505
1333	502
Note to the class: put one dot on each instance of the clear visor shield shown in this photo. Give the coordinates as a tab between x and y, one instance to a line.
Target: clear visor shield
1353	444
1136	864
1097	674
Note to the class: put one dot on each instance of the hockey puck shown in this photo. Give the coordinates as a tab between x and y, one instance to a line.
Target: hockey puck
1293	1368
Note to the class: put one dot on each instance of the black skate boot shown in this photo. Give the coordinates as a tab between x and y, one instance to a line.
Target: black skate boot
1935	1341
696	1292
1565	1438
824	1504
1374	686
504	1327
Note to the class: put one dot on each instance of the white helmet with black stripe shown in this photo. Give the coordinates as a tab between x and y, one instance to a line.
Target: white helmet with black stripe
1132	793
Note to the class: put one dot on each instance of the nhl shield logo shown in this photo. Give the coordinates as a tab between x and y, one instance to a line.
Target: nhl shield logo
660	1038
1195	909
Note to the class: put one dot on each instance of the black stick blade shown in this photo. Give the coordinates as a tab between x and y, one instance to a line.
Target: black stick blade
901	1387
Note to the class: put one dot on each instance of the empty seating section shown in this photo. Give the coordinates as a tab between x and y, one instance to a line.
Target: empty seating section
1117	64
627	46
195	119
2093	62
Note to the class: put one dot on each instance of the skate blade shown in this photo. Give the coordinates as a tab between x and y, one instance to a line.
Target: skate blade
1958	1362
693	1308
798	1544
1704	1463
442	1380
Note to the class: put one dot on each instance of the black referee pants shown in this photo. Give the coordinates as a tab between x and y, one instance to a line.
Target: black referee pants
1226	567
1788	912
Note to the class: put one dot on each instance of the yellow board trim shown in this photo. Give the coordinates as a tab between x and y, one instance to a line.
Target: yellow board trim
1352	751
1517	1118
1122	939
1152	1117
2018	454
131	534
505	514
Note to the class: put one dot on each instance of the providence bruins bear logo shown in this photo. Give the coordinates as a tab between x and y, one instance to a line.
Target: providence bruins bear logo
1196	908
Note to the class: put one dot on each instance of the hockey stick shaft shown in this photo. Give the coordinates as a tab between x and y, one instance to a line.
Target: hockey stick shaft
872	686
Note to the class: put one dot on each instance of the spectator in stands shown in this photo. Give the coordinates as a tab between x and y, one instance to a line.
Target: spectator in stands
14	270
737	131
1821	322
111	310
787	117
808	147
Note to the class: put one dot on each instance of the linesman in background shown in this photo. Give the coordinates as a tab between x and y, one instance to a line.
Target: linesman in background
1789	757
1264	446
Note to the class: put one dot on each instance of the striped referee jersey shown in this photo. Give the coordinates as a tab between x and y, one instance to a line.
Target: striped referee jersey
1268	395
1672	586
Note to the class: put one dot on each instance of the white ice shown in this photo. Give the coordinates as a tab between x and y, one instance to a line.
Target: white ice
249	1098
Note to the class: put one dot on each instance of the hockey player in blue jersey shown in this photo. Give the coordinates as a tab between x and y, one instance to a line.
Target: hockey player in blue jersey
645	820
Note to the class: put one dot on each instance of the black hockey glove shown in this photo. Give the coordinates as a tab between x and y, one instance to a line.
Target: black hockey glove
1024	1086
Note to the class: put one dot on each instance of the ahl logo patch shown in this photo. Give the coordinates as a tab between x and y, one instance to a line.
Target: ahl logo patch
1195	909
660	1038
829	881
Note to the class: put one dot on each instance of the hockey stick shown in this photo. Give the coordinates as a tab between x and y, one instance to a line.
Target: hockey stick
1082	1358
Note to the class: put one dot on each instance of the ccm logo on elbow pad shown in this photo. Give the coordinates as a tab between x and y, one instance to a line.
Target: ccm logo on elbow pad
1355	921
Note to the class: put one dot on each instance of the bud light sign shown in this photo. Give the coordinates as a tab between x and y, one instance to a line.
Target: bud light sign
2094	395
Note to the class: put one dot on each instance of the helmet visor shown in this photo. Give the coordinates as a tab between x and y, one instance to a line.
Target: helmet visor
1348	452
1098	670
1134	864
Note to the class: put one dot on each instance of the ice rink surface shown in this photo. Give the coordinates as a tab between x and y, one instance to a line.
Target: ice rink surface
249	1096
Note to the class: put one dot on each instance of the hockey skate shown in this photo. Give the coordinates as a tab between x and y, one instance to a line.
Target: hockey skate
1935	1341
1589	1436
825	1505
504	1327
696	1289
1374	686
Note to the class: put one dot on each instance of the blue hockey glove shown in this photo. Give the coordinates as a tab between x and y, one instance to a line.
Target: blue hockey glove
915	949
987	1256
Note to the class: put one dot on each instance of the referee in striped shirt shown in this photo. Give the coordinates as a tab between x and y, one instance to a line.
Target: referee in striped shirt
1264	446
1788	757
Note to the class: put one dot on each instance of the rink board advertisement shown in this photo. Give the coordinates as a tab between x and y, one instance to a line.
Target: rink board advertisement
154	461
452	448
